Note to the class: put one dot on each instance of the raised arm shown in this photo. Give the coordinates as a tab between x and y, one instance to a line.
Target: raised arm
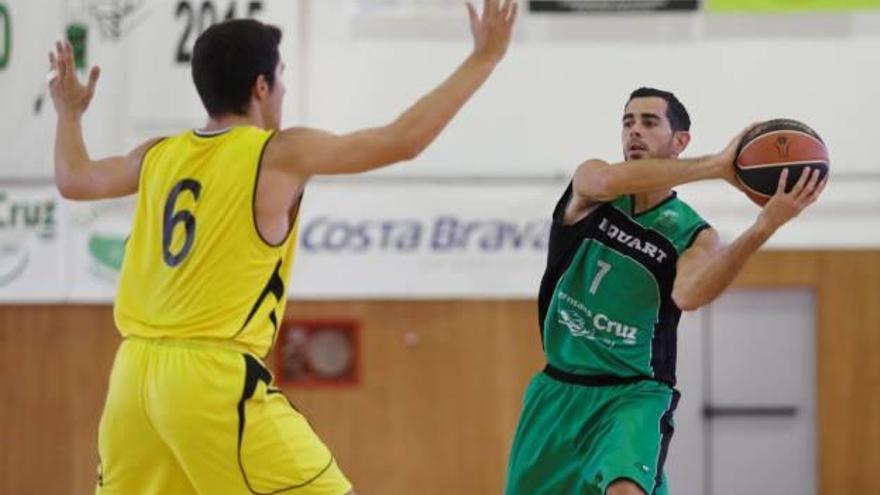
77	176
596	181
311	152
706	268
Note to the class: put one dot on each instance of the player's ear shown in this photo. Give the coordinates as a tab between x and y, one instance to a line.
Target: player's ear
261	88
680	141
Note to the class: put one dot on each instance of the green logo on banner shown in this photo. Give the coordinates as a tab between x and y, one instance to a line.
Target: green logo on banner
14	258
108	250
76	35
790	5
6	25
105	229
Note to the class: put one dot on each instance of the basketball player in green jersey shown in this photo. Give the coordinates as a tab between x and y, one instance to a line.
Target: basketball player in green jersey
626	257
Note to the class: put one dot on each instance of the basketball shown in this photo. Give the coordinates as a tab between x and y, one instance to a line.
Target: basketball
769	148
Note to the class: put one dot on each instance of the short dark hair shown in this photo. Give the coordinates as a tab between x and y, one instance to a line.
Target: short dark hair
228	57
677	114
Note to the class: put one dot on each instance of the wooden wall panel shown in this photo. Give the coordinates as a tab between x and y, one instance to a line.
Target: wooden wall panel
847	285
849	373
434	418
54	364
437	417
775	269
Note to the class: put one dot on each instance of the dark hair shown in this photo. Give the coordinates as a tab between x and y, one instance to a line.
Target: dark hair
226	60
677	114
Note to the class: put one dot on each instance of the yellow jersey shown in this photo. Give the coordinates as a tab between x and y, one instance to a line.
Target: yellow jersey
195	266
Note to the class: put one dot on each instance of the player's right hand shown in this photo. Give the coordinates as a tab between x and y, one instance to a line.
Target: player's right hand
70	97
727	158
492	29
784	206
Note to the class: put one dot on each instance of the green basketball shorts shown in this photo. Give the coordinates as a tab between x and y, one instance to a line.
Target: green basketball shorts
574	438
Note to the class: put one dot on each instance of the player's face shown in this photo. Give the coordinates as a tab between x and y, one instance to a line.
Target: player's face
647	133
275	99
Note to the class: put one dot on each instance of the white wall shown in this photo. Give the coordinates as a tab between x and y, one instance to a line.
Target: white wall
558	96
554	101
142	92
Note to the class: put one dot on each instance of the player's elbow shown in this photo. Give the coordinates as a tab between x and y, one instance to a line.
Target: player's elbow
409	148
72	179
597	180
607	185
402	144
687	300
75	193
70	188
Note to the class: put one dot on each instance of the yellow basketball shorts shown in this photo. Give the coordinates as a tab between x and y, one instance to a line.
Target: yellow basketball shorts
183	418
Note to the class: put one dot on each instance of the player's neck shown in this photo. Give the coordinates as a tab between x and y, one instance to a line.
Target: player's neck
646	201
228	121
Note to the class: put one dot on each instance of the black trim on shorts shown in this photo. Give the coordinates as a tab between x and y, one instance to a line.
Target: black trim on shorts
592	380
666	431
254	373
629	479
100	473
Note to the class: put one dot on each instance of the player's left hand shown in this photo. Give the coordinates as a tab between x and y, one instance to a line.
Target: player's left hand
70	97
784	206
492	30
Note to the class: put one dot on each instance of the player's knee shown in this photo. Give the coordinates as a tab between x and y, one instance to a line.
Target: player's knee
624	487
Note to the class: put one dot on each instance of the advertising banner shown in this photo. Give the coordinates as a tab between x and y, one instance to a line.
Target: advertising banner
97	246
423	241
355	241
33	265
790	5
600	6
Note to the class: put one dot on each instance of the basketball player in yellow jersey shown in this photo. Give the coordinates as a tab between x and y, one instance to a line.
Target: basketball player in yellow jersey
190	407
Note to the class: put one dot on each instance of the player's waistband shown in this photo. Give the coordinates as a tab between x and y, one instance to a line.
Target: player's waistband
592	380
213	344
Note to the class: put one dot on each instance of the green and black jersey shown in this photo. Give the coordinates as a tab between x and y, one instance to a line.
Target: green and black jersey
605	302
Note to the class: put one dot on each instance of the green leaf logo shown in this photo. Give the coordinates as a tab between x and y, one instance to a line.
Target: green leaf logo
107	250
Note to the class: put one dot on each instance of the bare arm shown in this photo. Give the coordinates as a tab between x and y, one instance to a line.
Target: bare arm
77	176
311	151
80	178
706	269
596	181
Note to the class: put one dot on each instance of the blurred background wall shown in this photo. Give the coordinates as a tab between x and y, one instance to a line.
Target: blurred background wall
436	262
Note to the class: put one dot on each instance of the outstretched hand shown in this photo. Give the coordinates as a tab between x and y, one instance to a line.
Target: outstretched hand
70	97
784	206
493	28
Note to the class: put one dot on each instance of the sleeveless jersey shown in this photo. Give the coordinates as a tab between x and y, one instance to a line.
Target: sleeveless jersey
605	302
195	266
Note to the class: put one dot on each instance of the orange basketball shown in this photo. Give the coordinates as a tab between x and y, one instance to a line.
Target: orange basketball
772	146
